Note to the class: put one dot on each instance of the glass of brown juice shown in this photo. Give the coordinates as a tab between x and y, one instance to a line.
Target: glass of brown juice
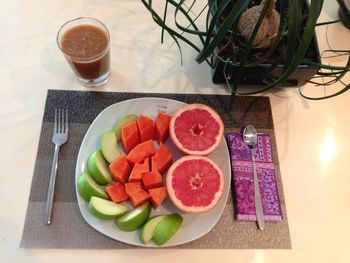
85	42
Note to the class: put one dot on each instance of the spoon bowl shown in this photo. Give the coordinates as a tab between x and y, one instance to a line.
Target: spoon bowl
250	136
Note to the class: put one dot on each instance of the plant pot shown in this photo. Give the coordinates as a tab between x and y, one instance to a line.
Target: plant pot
255	75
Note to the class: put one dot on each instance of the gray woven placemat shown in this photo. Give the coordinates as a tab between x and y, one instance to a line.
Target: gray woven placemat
69	229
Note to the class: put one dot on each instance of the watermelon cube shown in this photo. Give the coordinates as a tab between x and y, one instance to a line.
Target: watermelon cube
152	179
139	197
117	192
157	196
162	159
146	128
138	170
162	126
141	152
133	187
120	169
130	136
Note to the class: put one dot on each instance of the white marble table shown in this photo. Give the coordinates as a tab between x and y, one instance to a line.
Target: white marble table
312	136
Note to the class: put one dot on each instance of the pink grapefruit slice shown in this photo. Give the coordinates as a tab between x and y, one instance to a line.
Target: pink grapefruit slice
196	129
195	184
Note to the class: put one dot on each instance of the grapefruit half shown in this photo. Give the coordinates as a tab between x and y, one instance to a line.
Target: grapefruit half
196	129
195	184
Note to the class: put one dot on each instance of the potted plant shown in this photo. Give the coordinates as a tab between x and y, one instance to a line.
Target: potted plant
266	42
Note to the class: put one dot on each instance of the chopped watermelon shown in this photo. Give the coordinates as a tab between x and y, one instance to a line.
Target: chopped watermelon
146	128
152	179
138	170
141	152
130	136
117	192
162	159
162	126
157	195
139	197
120	169
133	187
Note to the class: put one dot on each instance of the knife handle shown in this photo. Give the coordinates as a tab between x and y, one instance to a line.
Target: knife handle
257	197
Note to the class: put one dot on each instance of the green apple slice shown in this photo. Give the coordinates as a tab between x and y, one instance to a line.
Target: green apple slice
109	146
98	168
135	218
148	228
122	121
167	228
87	188
105	209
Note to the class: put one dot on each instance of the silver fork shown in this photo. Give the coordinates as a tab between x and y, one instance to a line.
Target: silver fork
59	137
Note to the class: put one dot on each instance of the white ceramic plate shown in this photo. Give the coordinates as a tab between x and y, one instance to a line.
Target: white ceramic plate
194	225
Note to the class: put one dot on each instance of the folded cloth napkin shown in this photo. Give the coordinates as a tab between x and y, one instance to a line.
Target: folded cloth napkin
243	184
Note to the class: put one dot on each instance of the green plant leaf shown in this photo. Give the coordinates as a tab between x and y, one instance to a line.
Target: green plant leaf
222	31
346	11
186	29
346	88
294	25
172	33
164	20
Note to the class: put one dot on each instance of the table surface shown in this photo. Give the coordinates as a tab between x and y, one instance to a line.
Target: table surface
312	136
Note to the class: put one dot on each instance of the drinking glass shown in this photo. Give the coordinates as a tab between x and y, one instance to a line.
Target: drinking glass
85	43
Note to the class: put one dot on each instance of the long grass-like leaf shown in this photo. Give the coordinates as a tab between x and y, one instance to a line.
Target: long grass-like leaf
164	20
173	33
346	11
196	30
215	21
294	25
328	23
345	89
319	65
220	34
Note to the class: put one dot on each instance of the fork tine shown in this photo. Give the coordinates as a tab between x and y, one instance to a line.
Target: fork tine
55	122
66	123
59	121
62	121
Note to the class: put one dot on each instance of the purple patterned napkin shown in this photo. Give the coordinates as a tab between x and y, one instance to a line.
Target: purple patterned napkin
242	172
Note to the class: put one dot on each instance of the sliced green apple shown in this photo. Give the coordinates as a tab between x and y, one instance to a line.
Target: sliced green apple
167	228
87	188
105	209
122	121
135	218
109	146
147	229
98	168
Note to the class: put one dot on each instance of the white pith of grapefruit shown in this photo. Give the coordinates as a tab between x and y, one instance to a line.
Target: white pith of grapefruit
196	129
195	184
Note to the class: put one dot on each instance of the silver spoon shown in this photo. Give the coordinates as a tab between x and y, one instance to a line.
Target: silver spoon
250	137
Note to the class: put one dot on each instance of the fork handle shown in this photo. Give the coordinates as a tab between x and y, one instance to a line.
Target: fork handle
51	191
257	197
